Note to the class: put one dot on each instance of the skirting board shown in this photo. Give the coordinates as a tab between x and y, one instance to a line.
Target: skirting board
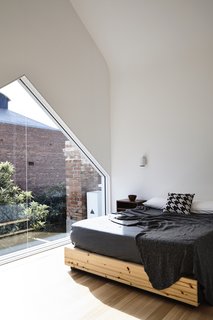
184	290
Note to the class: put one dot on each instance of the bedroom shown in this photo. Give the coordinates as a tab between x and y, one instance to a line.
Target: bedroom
150	94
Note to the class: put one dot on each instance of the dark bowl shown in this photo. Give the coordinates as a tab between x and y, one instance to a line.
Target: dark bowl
132	197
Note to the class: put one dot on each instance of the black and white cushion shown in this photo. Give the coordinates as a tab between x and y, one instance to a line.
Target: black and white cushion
179	203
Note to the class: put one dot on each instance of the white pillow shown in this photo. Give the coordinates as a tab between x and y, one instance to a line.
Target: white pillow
202	207
197	206
156	203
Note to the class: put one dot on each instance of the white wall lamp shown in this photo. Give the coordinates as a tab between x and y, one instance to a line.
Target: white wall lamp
143	161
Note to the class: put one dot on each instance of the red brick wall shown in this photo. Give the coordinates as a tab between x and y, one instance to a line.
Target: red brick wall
81	177
42	148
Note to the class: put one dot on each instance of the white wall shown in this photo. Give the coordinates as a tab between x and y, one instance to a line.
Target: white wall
45	40
163	107
161	100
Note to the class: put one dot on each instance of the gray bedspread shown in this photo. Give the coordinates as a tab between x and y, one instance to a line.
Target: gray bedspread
173	245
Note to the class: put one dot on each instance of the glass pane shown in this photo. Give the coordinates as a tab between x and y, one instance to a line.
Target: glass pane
46	181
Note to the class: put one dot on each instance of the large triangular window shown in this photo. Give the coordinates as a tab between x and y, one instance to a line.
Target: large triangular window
47	179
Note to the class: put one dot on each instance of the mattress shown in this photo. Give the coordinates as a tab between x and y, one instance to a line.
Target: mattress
110	236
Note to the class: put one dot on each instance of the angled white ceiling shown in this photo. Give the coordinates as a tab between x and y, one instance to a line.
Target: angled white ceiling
131	33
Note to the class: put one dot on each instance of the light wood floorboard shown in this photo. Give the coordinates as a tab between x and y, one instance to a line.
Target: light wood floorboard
41	287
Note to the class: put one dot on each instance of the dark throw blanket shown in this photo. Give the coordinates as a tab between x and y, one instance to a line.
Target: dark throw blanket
175	245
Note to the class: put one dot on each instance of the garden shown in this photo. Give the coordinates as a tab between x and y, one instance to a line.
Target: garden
22	211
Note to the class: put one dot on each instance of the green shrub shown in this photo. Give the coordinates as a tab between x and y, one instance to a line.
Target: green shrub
17	204
10	193
55	198
36	213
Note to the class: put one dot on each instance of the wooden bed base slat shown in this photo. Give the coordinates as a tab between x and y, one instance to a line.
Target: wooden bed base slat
184	290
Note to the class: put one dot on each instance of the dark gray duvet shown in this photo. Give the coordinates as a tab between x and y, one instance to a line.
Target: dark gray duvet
168	245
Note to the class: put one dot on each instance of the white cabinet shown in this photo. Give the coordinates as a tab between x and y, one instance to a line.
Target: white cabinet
94	204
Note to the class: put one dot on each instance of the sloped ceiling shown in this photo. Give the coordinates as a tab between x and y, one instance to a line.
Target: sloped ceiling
131	33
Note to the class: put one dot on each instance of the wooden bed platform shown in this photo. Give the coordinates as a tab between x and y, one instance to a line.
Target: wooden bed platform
184	290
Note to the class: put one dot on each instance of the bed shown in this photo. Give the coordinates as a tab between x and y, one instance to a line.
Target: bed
167	254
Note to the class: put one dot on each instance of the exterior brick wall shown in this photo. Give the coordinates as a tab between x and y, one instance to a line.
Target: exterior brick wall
36	154
81	177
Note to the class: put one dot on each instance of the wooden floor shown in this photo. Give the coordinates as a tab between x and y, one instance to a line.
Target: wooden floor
42	287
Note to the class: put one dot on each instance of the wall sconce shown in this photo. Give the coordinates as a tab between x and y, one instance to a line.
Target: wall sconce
143	161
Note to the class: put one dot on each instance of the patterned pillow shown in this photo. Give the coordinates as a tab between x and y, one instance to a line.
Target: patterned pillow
179	203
